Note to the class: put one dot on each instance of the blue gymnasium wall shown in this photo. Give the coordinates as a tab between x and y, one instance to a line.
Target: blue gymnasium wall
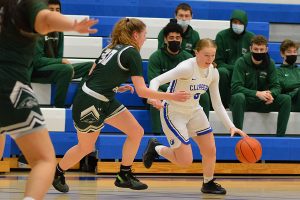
202	9
109	146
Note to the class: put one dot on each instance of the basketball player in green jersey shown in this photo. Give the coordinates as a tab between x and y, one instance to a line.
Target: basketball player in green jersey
21	22
95	103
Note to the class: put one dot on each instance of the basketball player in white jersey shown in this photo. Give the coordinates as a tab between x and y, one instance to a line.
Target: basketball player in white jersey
184	120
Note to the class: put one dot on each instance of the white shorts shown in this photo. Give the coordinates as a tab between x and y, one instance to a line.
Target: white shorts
180	125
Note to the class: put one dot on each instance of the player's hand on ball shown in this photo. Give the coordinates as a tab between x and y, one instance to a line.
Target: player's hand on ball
235	130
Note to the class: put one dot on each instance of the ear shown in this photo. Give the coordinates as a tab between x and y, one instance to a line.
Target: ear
267	49
281	54
135	35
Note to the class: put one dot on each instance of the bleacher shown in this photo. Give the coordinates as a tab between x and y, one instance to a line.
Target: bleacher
209	18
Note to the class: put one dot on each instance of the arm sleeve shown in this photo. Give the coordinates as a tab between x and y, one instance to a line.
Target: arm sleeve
40	58
273	79
286	84
154	70
217	103
238	80
181	71
220	55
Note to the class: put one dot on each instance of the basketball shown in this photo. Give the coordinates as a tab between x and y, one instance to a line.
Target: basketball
248	150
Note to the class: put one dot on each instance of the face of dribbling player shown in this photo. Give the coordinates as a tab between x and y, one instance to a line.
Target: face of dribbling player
205	56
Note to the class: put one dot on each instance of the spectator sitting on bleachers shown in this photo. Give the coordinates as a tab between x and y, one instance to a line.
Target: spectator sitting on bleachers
255	86
289	73
49	66
165	59
232	43
183	15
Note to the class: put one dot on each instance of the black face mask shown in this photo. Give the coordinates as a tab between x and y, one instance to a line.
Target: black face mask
259	56
291	59
174	46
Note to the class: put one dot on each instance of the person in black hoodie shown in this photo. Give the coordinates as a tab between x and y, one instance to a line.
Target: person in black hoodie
289	73
49	66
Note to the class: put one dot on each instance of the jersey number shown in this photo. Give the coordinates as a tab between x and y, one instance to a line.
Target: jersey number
106	55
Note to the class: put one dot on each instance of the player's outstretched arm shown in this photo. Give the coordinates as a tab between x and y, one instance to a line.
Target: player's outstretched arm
47	21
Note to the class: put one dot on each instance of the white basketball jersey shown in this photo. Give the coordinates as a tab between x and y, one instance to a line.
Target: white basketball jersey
197	85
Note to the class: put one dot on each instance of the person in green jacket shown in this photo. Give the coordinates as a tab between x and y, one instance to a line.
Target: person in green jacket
255	86
49	66
190	37
289	73
165	59
232	43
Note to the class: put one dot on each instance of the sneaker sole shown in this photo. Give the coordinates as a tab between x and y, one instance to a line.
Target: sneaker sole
208	192
125	186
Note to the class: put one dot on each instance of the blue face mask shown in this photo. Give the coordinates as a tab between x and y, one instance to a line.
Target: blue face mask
238	28
183	23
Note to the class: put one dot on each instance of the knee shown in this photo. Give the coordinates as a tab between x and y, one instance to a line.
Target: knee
67	71
137	133
48	158
86	148
238	98
209	152
286	99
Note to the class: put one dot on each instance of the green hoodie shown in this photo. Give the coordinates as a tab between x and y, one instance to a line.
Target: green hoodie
249	78
189	40
289	79
161	61
230	45
49	50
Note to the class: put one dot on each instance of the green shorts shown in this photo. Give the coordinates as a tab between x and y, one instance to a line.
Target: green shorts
19	108
89	112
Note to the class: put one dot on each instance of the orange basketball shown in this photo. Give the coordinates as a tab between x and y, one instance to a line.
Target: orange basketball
248	150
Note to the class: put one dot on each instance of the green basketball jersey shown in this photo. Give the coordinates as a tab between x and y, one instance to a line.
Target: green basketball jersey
114	67
17	47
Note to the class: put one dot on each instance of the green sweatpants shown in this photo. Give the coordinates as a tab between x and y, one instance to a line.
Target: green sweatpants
61	75
225	85
240	103
155	116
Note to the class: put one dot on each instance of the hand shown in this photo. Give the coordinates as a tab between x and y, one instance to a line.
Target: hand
65	61
235	130
92	68
125	88
155	103
84	26
264	95
181	96
270	98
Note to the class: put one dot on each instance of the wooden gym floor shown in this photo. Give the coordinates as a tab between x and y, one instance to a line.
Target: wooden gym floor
87	186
